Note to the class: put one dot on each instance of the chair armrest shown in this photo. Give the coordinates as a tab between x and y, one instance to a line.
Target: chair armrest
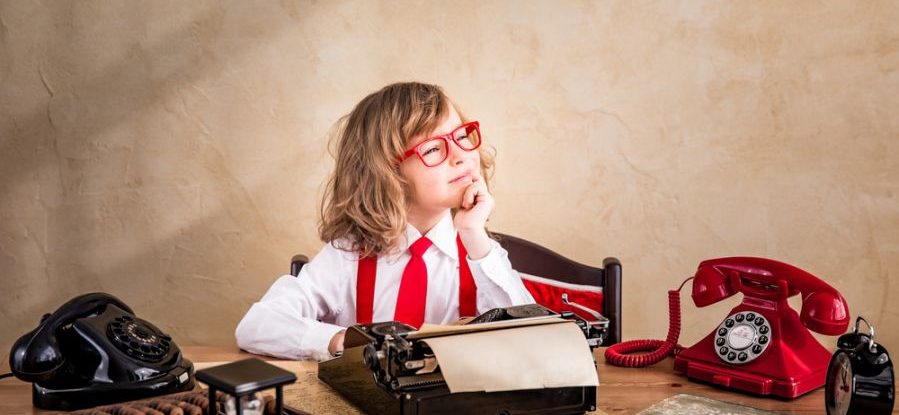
296	263
612	298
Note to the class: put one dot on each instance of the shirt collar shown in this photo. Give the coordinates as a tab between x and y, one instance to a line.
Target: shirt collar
442	235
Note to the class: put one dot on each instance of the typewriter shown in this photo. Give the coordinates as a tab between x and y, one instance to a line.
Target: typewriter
384	369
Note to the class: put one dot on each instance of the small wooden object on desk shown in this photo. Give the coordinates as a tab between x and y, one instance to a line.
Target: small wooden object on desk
243	378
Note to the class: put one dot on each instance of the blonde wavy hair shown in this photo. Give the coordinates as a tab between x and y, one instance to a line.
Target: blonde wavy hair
366	198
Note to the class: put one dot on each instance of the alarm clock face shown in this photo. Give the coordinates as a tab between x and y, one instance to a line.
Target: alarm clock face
839	382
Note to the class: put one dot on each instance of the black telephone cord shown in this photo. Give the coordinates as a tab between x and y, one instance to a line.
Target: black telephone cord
5	375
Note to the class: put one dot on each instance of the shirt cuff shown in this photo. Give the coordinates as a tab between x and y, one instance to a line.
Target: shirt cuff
318	338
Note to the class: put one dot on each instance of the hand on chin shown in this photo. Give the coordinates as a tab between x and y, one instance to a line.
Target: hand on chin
474	208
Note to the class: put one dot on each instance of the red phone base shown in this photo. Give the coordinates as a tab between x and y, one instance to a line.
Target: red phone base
793	364
749	382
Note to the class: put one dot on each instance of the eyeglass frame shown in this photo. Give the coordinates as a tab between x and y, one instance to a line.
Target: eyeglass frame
445	137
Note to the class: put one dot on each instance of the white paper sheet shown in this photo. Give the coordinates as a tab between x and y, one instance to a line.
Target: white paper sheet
531	357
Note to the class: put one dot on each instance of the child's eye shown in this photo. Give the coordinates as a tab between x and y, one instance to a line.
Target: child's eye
463	137
429	150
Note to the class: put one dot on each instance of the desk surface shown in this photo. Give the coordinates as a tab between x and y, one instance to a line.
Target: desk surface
621	390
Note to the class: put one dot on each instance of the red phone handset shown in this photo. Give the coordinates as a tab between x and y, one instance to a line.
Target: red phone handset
824	310
762	346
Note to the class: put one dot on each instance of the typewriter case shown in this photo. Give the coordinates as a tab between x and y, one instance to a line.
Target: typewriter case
359	377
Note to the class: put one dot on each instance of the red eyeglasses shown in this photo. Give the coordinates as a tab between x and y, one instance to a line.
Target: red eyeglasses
435	150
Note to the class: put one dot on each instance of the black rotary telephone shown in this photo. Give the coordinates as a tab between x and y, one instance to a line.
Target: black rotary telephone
94	351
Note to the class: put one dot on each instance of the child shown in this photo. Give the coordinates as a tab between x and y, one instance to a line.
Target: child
408	164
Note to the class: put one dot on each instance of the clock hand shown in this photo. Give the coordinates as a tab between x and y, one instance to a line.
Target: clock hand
844	381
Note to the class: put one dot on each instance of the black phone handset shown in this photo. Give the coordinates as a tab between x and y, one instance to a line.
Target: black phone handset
37	356
93	351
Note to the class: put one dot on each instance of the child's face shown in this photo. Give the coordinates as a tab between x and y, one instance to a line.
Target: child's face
435	189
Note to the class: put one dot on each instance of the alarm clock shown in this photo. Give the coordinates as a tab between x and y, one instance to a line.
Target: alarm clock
860	376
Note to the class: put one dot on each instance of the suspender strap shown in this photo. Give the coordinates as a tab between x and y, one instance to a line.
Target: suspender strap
365	289
468	291
366	274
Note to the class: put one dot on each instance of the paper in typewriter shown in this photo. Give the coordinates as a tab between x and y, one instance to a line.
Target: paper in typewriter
530	357
433	330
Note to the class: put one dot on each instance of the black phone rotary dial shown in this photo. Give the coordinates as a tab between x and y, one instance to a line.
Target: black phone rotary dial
139	338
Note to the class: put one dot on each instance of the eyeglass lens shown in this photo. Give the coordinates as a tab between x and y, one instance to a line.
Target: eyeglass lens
434	151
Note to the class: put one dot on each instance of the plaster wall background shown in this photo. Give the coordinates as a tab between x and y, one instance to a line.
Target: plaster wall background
173	153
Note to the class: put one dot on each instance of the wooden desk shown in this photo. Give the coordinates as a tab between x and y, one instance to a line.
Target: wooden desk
621	390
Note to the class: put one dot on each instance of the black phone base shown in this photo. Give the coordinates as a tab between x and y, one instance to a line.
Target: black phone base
70	398
93	351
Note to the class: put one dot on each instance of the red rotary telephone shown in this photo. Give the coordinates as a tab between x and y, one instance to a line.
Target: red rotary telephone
763	346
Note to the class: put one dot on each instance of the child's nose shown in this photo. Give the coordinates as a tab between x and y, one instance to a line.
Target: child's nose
457	155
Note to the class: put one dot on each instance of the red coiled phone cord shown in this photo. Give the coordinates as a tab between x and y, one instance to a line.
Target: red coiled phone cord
619	354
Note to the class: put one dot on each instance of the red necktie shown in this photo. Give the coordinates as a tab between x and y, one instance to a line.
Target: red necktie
413	295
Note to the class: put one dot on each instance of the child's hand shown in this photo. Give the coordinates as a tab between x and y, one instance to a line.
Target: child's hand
471	218
475	208
336	344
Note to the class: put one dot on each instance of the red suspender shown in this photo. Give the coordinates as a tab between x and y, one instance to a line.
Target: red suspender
468	292
365	287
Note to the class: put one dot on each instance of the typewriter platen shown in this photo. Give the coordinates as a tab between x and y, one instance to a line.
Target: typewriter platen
383	372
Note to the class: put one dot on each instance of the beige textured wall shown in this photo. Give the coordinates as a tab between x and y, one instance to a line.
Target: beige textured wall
172	153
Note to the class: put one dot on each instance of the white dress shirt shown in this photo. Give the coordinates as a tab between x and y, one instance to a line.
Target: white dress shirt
297	317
